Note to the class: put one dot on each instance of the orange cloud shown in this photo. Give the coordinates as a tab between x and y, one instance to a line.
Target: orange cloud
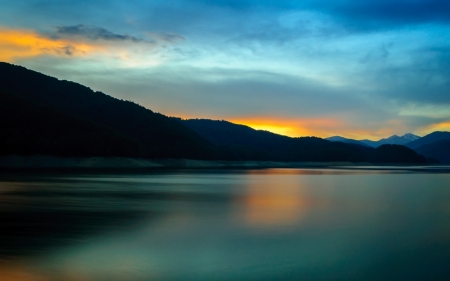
442	126
16	44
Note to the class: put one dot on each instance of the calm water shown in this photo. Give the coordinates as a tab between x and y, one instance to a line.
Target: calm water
273	224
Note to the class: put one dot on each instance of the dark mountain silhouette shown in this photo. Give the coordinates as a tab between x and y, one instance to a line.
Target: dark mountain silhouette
394	153
263	145
242	142
367	142
429	139
439	150
27	128
43	115
225	133
346	140
157	135
390	140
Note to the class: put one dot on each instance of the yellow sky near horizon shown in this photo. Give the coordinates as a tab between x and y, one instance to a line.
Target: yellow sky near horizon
296	128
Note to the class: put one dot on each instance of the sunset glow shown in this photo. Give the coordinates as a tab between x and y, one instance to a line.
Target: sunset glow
319	127
291	127
15	44
444	126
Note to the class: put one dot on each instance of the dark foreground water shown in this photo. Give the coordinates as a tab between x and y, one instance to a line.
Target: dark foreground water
273	224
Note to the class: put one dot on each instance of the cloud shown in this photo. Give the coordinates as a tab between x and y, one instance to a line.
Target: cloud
166	37
377	54
387	13
16	44
422	77
75	42
436	126
94	33
355	14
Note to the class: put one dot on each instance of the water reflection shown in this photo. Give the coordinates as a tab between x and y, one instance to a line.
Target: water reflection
274	224
274	201
273	206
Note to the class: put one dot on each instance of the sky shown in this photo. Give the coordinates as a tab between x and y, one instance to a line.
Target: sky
358	69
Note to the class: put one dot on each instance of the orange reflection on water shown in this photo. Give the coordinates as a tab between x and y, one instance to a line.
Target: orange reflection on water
25	271
275	201
12	271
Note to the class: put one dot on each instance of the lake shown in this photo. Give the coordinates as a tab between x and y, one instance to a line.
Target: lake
358	223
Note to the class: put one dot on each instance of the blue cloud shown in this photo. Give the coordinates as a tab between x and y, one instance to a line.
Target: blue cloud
384	14
94	33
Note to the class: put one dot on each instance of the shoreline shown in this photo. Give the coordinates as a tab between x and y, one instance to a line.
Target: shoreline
38	162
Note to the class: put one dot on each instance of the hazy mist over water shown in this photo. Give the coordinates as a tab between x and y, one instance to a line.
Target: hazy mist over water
268	224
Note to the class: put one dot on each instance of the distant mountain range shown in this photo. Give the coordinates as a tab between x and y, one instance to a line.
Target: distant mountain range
41	115
262	145
345	140
435	145
400	140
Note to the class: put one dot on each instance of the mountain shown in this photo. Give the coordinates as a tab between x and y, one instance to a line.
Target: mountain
27	128
429	139
263	145
407	138
157	135
345	140
370	143
41	115
395	153
240	142
435	145
439	150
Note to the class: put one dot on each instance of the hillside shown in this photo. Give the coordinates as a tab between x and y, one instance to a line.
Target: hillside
394	153
27	128
439	150
429	139
157	135
346	140
367	142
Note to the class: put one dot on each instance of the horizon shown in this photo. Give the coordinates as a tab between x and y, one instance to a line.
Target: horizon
317	68
273	131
